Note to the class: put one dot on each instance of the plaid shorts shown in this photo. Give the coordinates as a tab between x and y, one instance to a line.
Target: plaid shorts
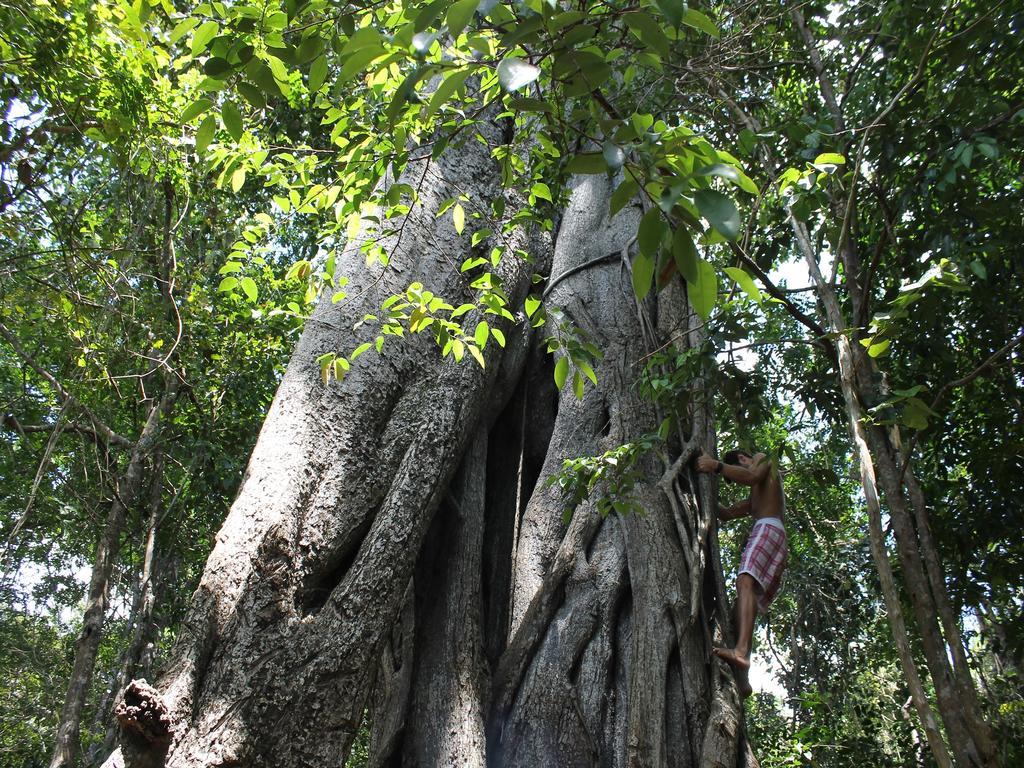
764	558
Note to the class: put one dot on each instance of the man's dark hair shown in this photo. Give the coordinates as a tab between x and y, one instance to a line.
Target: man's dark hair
733	457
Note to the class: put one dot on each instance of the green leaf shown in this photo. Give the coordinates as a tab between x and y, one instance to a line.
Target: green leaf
684	252
182	27
195	109
522	104
648	32
202	36
232	118
252	94
498	337
722	171
747	184
830	158
204	134
879	349
215	67
317	73
541	190
531	305
228	284
672	10
614	156
237	179
588	372
745	282
447	87
577	385
698	20
989	150
458	218
514	73
475	352
250	289
358	61
703	292
587	162
625	192
917	388
650	232
429	14
720	211
264	78
643	273
403	93
459	15
561	371
366	37
915	414
481	334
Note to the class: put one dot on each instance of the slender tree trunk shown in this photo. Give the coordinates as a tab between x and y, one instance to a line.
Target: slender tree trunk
137	656
970	737
980	730
890	593
126	489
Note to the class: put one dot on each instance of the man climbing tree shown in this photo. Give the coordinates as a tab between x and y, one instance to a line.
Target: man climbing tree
764	557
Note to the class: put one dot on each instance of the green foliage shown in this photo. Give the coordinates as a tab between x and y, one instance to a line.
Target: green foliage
577	356
34	668
609	478
276	136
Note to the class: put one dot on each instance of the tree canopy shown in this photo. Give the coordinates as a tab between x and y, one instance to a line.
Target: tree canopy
835	188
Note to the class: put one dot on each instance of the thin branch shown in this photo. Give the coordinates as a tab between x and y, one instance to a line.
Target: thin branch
11	422
777	293
44	462
108	434
1006	349
827	93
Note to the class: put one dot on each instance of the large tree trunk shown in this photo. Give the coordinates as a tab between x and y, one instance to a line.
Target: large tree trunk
395	550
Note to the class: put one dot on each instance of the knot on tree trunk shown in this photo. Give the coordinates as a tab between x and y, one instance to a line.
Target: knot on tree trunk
143	717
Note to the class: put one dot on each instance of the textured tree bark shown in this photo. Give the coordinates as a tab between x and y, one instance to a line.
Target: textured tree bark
980	730
310	571
445	722
604	665
969	736
395	551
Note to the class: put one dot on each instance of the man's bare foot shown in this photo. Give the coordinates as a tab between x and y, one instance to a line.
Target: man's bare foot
740	668
735	660
743	683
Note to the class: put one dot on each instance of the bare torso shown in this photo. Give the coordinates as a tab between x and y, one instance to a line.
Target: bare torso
766	499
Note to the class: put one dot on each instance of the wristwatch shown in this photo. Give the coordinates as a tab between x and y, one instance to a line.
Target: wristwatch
718	469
